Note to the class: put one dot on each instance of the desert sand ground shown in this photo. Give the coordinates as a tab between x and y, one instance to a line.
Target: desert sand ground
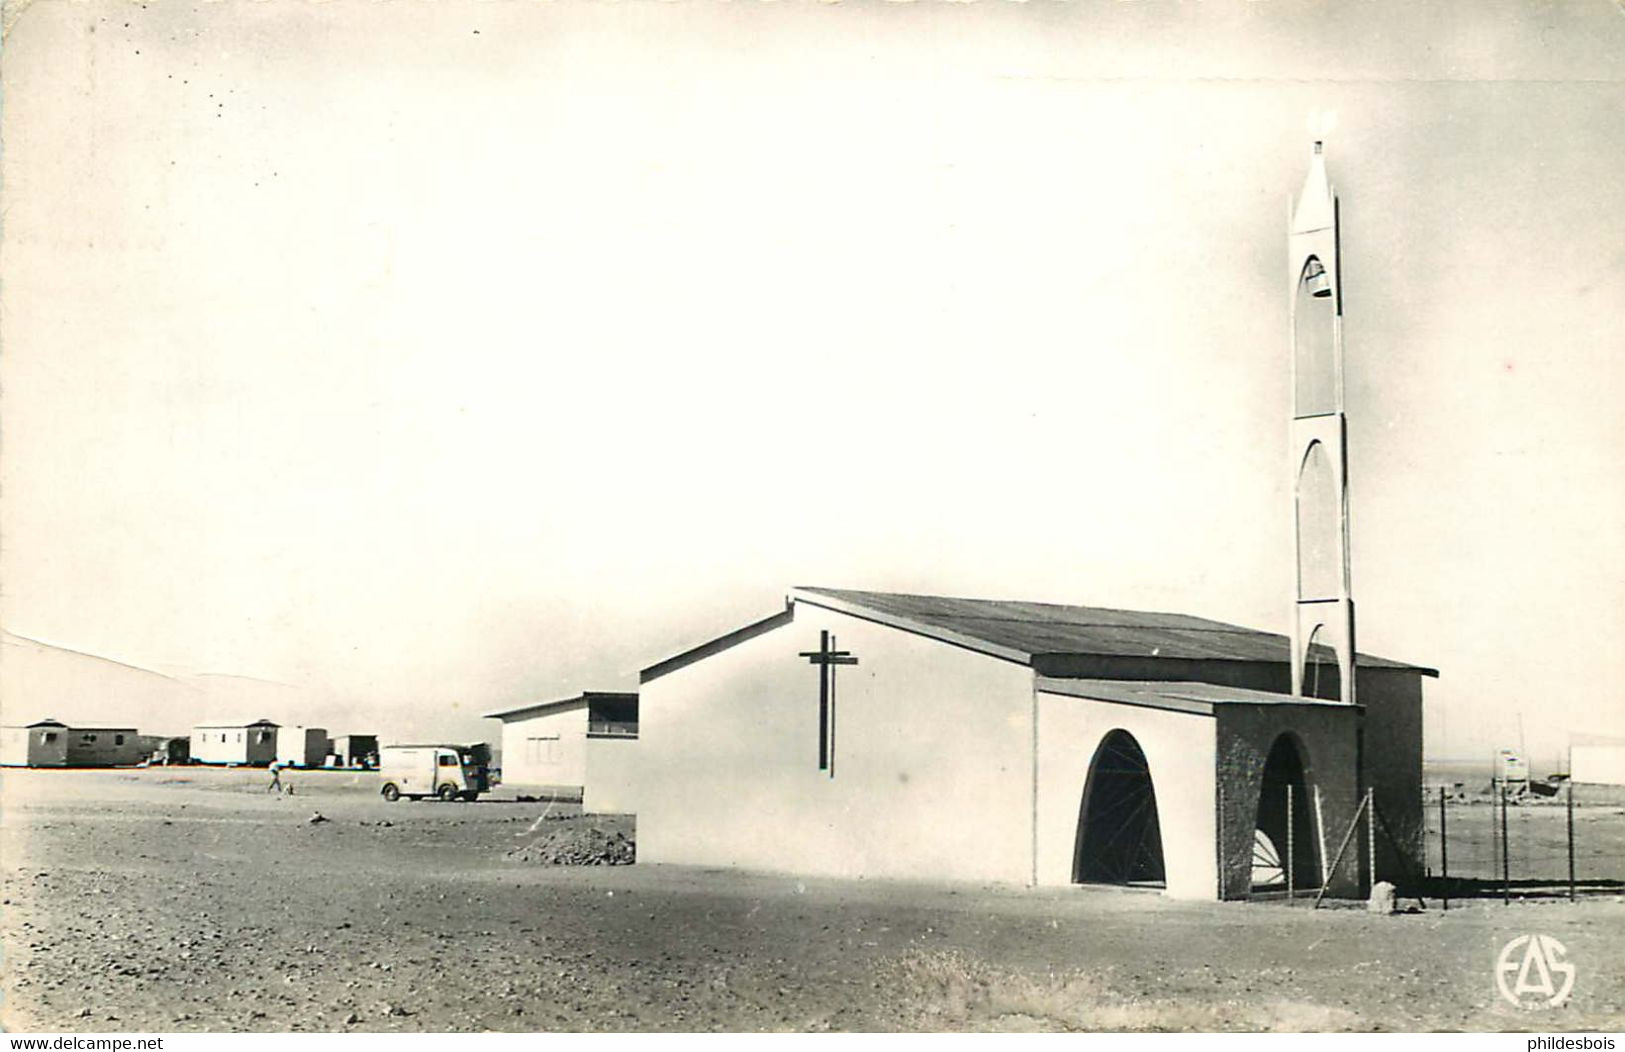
190	900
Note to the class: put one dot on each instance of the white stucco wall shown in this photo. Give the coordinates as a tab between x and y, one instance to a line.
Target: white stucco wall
933	762
612	766
548	748
1179	749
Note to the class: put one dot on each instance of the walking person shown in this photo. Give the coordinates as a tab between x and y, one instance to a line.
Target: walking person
276	778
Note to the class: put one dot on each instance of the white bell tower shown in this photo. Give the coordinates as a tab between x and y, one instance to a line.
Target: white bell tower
1323	606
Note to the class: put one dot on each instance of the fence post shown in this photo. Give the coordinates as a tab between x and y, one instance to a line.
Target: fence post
1371	838
1289	844
1444	849
1571	839
1506	850
1495	836
1330	872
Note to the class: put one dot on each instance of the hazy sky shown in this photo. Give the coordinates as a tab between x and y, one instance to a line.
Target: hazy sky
419	355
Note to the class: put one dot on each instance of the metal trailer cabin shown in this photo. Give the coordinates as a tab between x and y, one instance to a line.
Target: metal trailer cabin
51	743
246	743
355	750
171	751
301	746
43	743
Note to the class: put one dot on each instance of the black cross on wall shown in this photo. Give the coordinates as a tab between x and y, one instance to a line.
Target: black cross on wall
826	657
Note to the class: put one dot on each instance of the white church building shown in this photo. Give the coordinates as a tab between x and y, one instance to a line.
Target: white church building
1032	743
883	735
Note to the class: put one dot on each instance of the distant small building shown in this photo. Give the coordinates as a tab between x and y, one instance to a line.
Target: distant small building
52	743
582	744
43	743
247	743
104	747
302	746
167	750
355	750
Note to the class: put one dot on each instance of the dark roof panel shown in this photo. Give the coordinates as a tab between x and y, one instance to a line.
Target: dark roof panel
1022	630
584	698
1196	698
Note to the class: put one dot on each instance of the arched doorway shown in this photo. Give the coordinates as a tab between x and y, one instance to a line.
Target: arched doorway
1283	777
1119	839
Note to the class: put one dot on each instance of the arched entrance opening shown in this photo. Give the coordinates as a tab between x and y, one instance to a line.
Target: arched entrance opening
1284	780
1119	839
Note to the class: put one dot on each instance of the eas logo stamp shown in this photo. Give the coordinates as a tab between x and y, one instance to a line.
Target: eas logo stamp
1531	972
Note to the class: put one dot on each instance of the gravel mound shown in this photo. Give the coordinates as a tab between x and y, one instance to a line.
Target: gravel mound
577	842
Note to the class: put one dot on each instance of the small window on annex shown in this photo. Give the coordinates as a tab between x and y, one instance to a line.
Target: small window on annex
613	717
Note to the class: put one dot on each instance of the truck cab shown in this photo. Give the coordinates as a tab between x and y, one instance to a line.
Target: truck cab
448	772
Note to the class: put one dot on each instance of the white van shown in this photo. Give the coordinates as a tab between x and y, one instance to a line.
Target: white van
450	772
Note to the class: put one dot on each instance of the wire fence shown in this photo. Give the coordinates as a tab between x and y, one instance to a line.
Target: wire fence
1523	840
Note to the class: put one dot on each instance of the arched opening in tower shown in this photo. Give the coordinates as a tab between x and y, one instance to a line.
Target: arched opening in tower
1284	803
1320	527
1119	839
1314	354
1322	676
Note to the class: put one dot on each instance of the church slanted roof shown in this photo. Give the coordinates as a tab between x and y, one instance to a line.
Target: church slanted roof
1023	631
1042	635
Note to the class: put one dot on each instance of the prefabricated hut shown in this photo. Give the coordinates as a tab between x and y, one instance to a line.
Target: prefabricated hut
170	750
302	746
51	743
355	750
43	743
583	744
244	743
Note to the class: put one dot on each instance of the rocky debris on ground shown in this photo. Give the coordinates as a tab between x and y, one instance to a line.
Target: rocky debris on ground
317	818
576	844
